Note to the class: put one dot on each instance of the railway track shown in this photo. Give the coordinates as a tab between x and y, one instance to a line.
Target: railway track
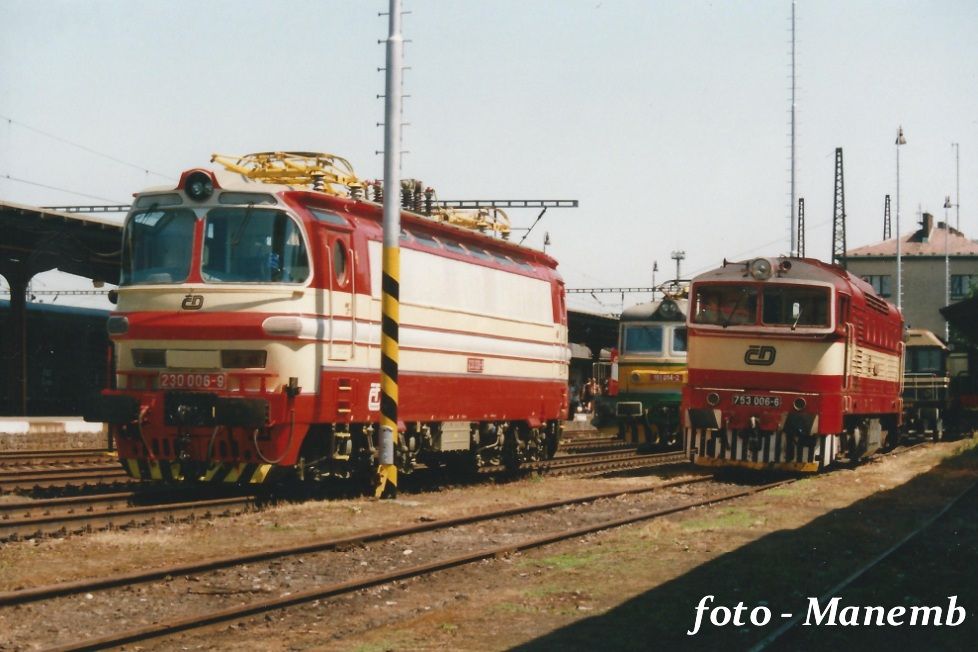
55	457
200	616
603	461
28	479
87	513
598	443
791	625
76	514
342	552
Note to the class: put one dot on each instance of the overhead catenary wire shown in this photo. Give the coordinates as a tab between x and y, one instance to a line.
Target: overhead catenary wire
49	187
84	148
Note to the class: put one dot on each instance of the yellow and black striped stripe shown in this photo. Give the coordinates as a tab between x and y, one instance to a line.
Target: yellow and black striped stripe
217	472
389	352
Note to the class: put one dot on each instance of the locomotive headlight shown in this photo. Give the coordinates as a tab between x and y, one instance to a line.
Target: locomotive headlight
117	325
199	186
760	269
713	399
799	404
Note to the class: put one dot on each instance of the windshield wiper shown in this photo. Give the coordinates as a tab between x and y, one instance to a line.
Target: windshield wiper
729	317
236	238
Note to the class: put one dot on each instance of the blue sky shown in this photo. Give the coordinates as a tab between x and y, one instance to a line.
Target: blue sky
668	121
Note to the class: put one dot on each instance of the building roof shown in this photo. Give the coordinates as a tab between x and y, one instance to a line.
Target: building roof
928	240
922	337
39	239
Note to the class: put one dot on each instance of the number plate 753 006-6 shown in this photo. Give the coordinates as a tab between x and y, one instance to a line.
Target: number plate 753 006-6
754	400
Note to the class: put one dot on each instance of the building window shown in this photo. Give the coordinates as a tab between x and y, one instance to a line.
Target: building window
880	283
962	285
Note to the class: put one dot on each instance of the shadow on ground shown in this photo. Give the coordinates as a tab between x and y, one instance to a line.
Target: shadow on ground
782	569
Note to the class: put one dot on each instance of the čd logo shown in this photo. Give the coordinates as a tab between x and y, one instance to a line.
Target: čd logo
760	355
192	302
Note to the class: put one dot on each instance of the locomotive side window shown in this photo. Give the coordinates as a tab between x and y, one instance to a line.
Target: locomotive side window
726	305
339	262
250	245
157	246
794	306
453	246
642	338
328	217
679	340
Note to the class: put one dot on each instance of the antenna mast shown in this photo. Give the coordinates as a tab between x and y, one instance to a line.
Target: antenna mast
793	244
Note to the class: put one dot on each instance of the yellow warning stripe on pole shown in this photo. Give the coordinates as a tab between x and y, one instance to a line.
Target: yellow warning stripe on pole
389	352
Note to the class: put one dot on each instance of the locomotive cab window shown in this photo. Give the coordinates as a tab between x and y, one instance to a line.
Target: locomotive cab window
156	246
726	305
642	338
922	360
679	340
795	306
251	245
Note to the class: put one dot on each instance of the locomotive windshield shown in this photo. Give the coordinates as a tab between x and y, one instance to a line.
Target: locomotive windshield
241	245
157	245
726	305
651	339
794	306
925	360
251	245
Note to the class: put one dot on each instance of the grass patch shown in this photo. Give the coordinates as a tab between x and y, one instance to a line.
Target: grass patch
568	561
723	520
542	591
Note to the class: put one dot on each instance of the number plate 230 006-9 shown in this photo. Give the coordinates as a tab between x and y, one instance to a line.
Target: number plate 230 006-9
753	400
192	381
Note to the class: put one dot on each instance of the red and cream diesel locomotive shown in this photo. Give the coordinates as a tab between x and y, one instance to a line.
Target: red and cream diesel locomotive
792	362
247	332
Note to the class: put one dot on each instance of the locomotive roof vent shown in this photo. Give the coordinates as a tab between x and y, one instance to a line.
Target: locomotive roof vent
760	269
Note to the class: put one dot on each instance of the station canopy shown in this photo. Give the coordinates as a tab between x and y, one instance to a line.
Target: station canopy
36	240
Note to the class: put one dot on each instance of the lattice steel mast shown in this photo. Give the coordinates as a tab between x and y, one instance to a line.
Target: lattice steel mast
801	227
839	214
886	218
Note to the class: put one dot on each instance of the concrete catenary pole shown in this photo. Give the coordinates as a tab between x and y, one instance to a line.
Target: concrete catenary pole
391	268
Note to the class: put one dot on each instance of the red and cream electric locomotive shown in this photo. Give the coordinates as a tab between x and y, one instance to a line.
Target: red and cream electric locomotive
247	330
792	362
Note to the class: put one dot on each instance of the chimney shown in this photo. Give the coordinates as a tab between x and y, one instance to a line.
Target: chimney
927	224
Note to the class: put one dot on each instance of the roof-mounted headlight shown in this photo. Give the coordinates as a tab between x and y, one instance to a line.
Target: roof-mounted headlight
759	269
199	186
